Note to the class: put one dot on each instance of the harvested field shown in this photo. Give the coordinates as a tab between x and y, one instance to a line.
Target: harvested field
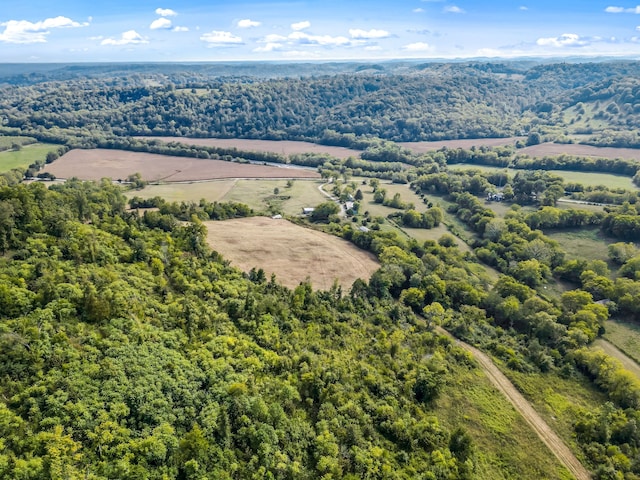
292	252
554	149
283	147
422	147
118	164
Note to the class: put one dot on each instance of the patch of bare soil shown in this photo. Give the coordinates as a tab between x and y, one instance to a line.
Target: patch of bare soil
284	147
546	434
98	163
292	252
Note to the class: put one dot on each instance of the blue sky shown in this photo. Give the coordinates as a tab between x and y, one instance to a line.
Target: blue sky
224	30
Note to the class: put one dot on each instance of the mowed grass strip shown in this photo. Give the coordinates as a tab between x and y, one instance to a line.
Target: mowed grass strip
24	157
211	191
292	252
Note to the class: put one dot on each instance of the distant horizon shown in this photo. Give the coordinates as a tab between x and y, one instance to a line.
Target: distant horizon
70	31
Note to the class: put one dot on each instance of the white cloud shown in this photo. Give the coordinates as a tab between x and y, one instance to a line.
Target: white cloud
417	47
165	12
564	40
522	7
130	37
623	10
324	40
269	47
23	31
368	34
273	38
418	10
219	38
300	25
453	9
247	23
160	23
373	48
180	29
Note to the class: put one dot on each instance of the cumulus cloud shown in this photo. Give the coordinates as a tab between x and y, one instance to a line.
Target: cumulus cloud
217	38
23	31
165	12
417	47
269	47
522	7
564	40
160	23
300	25
130	37
623	10
418	10
303	38
180	29
368	34
373	48
247	23
453	9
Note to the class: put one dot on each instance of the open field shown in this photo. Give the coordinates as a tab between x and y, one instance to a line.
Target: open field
118	164
554	149
611	350
292	252
212	191
284	147
25	156
625	336
585	178
583	244
422	147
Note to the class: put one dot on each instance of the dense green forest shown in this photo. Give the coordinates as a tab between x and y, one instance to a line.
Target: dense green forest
339	104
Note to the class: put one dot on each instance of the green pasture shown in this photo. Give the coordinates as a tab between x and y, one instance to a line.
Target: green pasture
584	178
24	157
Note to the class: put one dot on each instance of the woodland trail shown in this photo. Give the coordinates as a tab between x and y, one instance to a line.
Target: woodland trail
544	432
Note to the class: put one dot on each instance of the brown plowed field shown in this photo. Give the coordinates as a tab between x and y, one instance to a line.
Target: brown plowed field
292	252
118	164
283	147
551	149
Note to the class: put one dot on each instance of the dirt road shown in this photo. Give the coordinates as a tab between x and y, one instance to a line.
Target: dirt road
546	434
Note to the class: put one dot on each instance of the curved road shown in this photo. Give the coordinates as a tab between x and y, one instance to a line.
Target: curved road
343	212
544	432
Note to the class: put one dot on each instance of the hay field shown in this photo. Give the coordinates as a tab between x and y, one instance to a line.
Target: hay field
283	147
24	157
97	163
554	149
423	147
292	252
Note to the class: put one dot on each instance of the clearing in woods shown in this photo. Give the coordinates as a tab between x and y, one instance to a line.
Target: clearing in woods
292	252
119	164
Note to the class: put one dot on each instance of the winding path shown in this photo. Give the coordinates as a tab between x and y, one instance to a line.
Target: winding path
544	432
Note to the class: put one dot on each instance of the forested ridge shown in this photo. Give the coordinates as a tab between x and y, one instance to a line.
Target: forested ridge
394	102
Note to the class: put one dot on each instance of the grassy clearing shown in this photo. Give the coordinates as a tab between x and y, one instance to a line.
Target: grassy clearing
625	336
24	157
506	447
583	244
559	401
259	195
7	141
585	178
186	192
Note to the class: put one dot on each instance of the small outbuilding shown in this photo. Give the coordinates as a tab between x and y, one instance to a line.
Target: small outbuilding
308	210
